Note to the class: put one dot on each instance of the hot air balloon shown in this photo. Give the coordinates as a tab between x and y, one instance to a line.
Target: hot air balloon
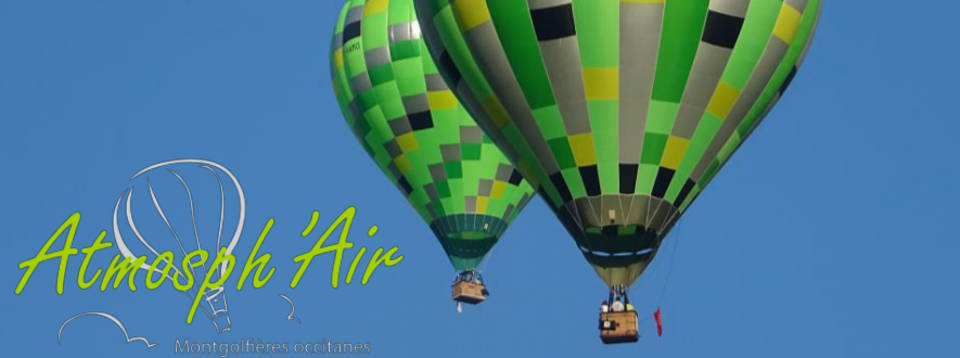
619	112
426	143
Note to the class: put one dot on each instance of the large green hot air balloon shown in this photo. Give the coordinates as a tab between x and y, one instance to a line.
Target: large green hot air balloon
417	132
620	112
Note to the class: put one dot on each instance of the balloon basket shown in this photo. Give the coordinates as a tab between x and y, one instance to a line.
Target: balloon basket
469	292
618	327
218	313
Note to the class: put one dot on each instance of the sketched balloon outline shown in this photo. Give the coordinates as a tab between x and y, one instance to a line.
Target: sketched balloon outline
209	165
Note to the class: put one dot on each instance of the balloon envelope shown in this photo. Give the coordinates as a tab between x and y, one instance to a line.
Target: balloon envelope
620	112
417	132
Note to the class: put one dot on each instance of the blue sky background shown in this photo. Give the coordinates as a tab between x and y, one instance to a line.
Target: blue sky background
829	234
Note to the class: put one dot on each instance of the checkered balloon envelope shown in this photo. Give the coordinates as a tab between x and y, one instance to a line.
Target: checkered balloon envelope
418	133
619	112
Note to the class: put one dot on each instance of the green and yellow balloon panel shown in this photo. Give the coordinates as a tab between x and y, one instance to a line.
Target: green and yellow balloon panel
619	111
411	124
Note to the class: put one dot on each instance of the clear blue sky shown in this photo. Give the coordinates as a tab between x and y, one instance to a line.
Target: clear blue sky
830	233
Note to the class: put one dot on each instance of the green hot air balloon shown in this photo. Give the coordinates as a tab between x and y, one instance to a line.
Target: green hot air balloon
413	127
620	112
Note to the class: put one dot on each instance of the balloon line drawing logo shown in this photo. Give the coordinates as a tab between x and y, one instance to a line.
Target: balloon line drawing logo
183	172
196	209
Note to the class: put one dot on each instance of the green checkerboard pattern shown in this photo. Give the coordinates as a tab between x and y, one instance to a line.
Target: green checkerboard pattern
619	111
413	127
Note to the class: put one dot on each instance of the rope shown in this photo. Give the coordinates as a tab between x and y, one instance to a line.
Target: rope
666	281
